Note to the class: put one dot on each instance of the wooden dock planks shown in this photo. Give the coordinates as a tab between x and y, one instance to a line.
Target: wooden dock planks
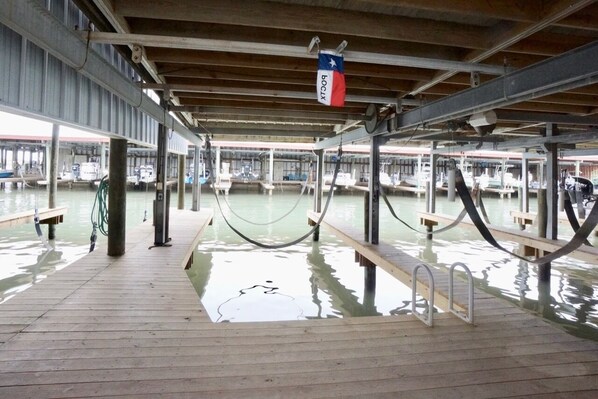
46	215
133	327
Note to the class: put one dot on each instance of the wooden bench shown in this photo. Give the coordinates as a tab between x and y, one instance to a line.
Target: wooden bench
46	216
585	253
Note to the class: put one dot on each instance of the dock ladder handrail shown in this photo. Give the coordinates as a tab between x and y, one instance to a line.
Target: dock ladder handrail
469	317
430	319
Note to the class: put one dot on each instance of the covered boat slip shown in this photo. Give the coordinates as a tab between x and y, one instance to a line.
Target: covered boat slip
133	326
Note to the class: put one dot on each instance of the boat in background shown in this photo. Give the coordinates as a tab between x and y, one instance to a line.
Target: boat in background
143	174
90	171
6	173
344	179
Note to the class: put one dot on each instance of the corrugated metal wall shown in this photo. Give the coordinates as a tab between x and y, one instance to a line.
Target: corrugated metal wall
36	83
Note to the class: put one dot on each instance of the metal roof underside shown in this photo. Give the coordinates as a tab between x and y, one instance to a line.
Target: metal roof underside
240	70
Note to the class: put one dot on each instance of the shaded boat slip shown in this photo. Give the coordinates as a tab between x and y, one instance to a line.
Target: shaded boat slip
134	325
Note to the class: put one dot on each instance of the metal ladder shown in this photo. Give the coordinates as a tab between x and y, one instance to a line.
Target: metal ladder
469	317
429	321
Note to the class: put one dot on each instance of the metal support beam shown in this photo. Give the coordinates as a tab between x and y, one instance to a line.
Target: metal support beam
230	46
576	68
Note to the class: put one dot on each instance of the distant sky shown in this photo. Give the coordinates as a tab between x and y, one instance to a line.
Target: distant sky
16	125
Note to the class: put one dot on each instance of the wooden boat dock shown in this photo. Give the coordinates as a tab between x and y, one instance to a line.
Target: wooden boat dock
133	326
46	216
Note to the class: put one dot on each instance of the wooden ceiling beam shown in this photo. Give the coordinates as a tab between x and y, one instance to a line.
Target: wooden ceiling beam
305	18
171	58
508	34
513	10
243	75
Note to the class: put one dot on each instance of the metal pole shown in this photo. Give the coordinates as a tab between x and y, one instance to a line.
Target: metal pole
117	197
271	172
161	202
53	176
552	188
319	188
432	194
181	183
374	203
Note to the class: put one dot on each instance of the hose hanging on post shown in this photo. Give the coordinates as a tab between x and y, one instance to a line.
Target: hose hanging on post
99	217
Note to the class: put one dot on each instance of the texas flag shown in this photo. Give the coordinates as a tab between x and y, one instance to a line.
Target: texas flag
331	79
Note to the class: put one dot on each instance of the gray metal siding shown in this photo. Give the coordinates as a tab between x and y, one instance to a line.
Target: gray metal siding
37	83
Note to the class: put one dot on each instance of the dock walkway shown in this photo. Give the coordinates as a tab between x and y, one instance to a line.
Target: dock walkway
133	327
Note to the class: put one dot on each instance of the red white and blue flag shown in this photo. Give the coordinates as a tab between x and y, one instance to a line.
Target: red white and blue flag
331	79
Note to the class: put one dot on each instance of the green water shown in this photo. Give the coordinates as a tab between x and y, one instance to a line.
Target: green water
240	282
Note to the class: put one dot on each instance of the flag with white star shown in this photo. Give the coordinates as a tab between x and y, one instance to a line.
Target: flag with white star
330	86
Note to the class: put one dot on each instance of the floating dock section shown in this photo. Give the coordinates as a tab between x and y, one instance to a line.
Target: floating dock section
133	326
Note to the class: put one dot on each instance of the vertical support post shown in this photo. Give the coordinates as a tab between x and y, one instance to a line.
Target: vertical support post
432	194
369	294
47	159
161	202
523	191
503	172
103	159
366	216
53	176
552	188
374	186
542	212
451	185
217	166
525	183
419	170
271	171
117	197
319	189
181	183
196	185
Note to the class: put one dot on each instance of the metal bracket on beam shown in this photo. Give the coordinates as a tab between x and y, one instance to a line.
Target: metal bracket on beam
341	47
315	42
474	79
137	53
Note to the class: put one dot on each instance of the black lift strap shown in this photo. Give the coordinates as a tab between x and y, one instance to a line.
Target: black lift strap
578	239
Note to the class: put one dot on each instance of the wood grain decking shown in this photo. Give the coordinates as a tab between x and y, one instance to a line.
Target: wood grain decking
133	327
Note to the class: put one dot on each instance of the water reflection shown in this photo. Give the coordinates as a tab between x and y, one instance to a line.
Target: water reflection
343	299
312	280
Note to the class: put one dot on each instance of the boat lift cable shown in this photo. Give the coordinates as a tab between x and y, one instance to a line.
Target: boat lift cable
393	213
99	213
272	221
570	212
578	239
284	245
